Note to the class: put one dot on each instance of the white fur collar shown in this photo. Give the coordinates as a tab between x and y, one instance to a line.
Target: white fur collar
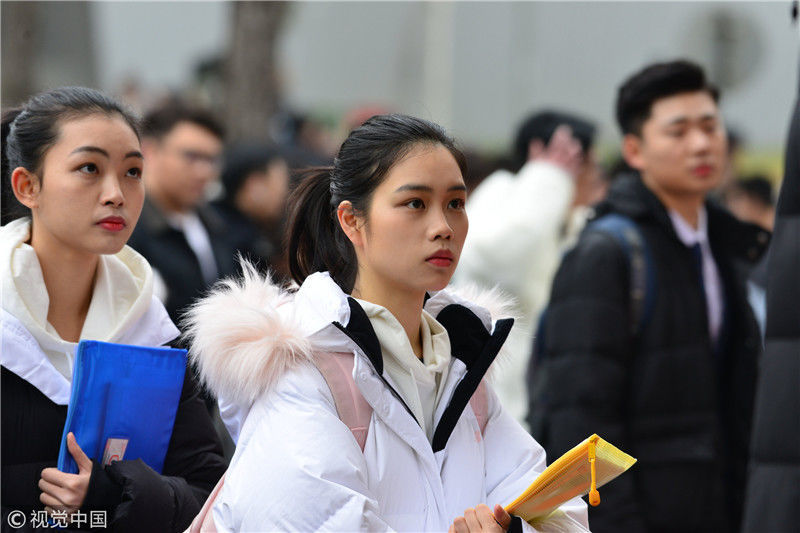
248	331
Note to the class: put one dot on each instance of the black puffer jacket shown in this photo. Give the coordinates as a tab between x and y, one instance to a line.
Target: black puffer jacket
681	406
773	489
134	497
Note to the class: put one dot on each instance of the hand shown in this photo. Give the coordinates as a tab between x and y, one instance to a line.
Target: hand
563	150
481	518
62	491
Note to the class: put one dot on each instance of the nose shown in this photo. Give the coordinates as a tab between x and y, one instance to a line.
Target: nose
440	227
112	191
700	140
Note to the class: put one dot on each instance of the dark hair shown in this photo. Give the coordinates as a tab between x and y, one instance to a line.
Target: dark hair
29	131
542	125
637	94
315	240
758	188
160	121
240	160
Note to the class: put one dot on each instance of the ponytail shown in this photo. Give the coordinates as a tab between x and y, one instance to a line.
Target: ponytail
10	208
315	240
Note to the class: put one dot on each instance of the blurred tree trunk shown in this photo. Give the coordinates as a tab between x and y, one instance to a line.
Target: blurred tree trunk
19	32
252	92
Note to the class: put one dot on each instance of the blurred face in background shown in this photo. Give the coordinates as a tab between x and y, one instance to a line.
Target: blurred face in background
682	147
262	196
181	165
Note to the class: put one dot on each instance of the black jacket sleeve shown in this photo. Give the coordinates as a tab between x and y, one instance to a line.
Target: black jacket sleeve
579	384
140	499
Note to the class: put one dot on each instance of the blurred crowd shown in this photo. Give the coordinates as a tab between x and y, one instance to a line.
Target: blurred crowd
543	217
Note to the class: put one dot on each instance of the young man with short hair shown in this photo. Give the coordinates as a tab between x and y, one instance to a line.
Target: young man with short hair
671	383
185	241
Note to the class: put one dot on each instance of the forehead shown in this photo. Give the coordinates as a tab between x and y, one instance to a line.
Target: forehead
426	164
189	133
683	106
110	132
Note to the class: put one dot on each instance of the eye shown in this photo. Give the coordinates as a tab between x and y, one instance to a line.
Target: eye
134	172
456	203
89	168
416	203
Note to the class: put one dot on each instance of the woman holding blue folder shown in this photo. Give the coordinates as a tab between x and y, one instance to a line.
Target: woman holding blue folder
358	399
72	193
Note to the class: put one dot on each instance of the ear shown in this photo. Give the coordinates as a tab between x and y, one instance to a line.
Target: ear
350	223
26	187
632	151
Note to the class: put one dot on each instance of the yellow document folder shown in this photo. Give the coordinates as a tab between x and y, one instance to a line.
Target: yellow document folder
591	464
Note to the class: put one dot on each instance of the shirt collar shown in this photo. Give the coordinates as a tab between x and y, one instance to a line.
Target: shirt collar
686	233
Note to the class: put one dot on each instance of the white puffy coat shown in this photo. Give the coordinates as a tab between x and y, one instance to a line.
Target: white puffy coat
298	467
519	228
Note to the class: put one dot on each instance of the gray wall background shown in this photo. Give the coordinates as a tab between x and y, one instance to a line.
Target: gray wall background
475	67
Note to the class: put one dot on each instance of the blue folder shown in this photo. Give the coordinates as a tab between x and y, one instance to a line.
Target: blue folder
123	393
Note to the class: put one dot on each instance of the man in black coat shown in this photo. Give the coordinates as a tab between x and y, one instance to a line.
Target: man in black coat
674	389
186	242
773	488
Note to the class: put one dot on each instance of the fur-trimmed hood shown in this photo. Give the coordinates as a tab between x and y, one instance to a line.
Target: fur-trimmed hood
249	330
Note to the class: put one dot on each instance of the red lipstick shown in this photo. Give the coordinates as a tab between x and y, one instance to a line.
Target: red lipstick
442	258
112	223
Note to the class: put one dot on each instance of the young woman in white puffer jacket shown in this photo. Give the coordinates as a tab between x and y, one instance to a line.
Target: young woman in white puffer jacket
373	241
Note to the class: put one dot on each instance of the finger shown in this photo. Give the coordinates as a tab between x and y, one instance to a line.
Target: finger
55	476
51	501
59	493
502	517
535	149
451	529
562	136
460	525
81	459
486	518
472	520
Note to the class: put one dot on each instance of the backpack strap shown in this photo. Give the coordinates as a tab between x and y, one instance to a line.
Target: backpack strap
204	521
353	409
642	268
480	406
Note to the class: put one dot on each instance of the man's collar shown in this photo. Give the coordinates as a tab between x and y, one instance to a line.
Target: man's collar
686	233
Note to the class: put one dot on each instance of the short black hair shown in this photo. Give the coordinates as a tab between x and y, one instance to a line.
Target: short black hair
639	92
758	188
242	159
543	124
161	120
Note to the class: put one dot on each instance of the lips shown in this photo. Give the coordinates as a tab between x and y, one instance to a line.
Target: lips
442	258
702	170
112	223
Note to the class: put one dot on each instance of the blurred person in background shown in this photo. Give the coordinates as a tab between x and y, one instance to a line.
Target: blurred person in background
773	485
187	242
521	223
673	386
256	182
751	199
72	190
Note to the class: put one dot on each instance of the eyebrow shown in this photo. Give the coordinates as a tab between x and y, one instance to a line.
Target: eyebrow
96	150
683	119
425	188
